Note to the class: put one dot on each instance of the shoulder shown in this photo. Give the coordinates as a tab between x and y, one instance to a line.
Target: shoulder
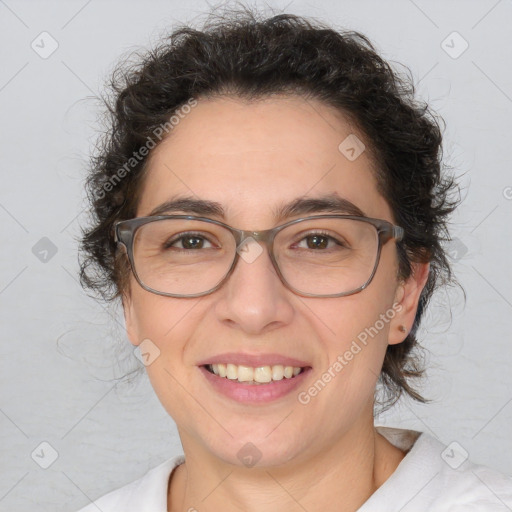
146	493
434	477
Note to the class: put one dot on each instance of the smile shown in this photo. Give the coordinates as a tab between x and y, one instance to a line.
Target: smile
253	379
254	375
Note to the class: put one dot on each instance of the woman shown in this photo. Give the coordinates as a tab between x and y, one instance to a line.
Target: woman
269	207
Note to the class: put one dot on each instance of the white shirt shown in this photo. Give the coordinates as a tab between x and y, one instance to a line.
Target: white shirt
430	478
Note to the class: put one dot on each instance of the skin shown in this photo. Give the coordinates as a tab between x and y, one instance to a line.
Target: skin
325	455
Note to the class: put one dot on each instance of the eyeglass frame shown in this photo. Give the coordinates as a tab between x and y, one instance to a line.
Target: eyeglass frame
124	231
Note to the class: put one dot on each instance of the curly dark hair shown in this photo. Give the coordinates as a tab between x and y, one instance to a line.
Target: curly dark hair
243	54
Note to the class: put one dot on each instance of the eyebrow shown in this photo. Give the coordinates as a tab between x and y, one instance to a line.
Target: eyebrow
331	203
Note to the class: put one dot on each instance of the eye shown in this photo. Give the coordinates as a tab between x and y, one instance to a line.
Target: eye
316	241
186	241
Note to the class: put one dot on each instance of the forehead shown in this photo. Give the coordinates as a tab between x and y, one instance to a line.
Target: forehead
253	157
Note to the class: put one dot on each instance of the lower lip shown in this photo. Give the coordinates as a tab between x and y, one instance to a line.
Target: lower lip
253	393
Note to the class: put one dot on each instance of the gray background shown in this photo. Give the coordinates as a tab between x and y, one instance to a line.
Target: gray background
62	351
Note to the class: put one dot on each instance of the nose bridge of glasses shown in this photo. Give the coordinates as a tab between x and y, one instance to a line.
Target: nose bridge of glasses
258	236
247	242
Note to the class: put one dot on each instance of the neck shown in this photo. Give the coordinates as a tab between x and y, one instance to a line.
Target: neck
340	478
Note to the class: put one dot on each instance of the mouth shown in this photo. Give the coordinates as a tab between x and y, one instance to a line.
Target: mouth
254	379
254	376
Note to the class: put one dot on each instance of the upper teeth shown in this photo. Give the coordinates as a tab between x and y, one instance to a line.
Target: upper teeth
259	374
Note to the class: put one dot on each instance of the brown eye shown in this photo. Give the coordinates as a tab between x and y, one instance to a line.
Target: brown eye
192	242
189	241
317	242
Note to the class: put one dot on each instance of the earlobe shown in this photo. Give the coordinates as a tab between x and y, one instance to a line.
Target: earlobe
407	296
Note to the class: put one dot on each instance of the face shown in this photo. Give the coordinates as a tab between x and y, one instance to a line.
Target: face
252	158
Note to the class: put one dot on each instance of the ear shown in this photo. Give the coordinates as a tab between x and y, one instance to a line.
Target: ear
407	297
130	319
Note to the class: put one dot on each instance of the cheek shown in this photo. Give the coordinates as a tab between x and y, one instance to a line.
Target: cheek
361	319
162	326
354	359
362	333
166	325
357	328
156	317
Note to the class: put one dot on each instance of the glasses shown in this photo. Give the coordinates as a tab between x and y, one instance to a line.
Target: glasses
318	256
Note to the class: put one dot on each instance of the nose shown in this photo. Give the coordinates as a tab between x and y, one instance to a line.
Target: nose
254	299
